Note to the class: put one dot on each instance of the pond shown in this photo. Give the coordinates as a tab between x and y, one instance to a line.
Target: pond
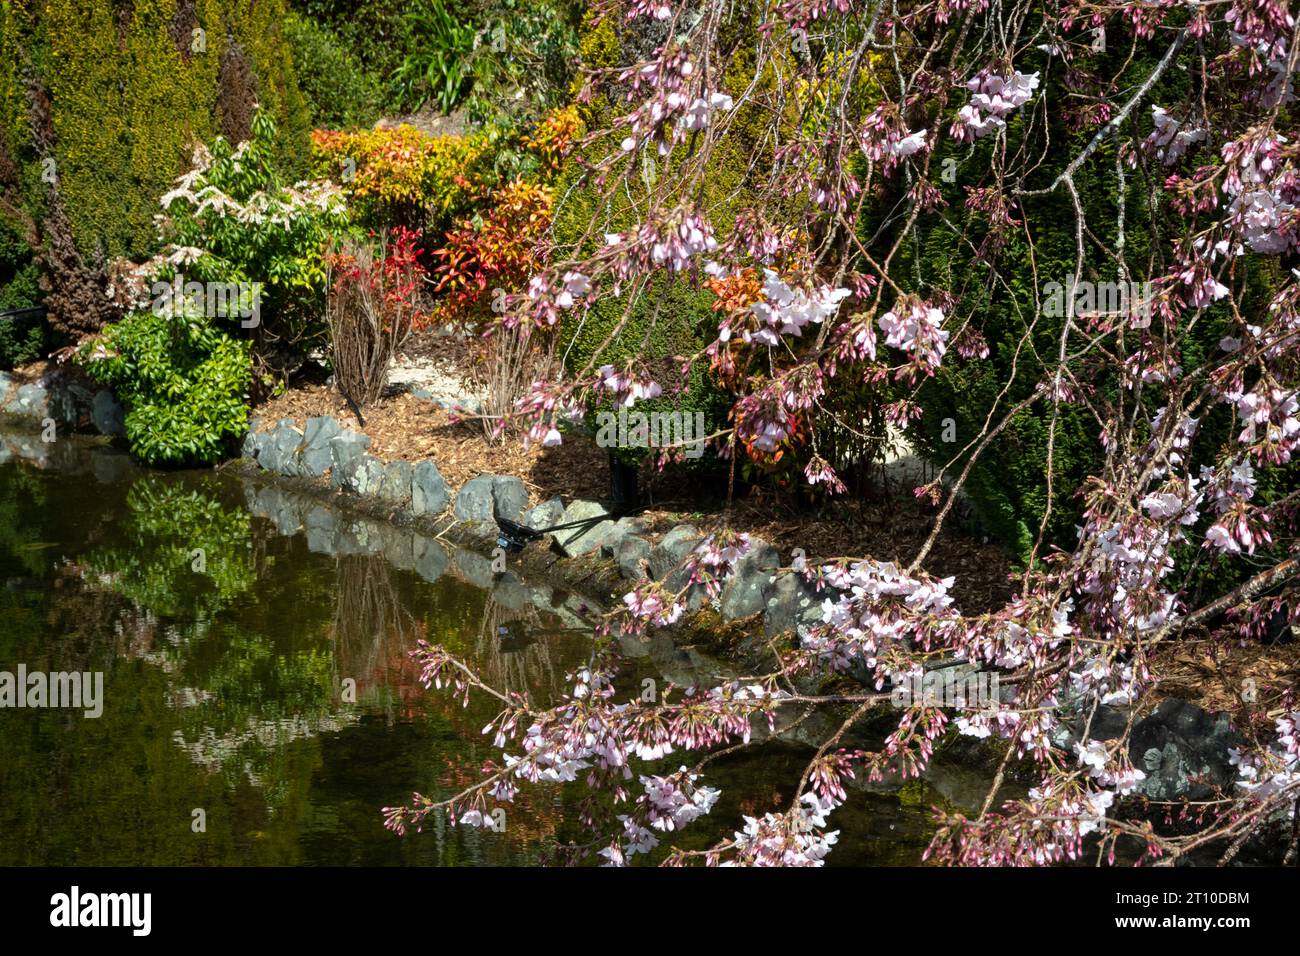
259	705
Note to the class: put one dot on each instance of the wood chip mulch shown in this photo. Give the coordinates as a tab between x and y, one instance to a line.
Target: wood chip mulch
1212	675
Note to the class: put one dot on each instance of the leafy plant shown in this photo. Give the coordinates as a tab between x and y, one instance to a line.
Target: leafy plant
497	252
401	176
233	220
183	380
439	68
339	90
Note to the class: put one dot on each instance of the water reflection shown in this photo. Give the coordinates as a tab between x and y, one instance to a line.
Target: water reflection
255	650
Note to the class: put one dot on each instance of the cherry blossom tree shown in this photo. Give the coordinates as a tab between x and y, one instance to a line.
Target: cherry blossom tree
1185	109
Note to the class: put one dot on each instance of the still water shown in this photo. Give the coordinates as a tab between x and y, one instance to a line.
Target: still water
227	617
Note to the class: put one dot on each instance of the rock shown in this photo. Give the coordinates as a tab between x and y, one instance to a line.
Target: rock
548	513
347	449
1183	750
363	477
612	537
745	592
280	452
672	549
106	414
395	483
254	442
317	455
474	501
791	603
30	401
511	496
429	493
589	537
314	462
630	554
320	430
430	559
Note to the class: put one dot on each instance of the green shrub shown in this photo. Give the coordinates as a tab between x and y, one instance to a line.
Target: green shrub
375	32
21	340
681	319
438	69
183	381
340	92
1008	485
268	235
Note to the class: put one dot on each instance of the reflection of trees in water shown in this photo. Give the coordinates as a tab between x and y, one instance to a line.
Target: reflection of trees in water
150	558
373	631
511	651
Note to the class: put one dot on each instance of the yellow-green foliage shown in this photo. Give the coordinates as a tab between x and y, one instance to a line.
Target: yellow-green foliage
682	316
129	100
383	171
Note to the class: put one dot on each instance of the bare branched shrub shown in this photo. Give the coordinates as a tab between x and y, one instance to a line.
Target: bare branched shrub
372	307
509	361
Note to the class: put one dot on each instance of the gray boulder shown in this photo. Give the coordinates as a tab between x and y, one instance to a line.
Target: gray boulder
254	442
548	513
429	493
106	414
630	554
511	496
363	476
347	450
316	455
745	592
583	539
792	603
30	401
622	530
475	500
395	484
672	549
1183	750
280	452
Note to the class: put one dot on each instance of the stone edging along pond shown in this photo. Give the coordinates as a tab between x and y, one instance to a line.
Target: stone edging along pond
326	457
63	396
